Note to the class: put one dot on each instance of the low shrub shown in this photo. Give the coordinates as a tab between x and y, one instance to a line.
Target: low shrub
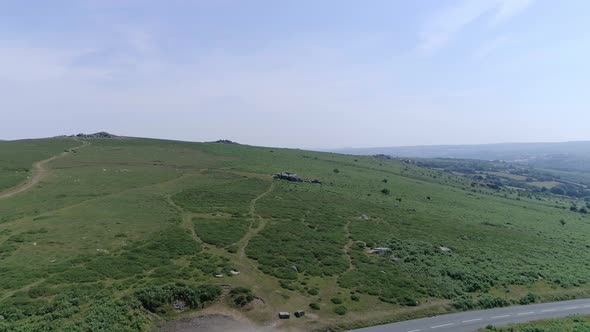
528	299
341	310
336	300
154	298
489	302
240	296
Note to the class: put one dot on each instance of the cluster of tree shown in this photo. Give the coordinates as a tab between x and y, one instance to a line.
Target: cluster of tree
479	172
570	189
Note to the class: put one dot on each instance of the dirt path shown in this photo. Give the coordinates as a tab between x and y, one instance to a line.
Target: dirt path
348	246
261	222
39	173
22	289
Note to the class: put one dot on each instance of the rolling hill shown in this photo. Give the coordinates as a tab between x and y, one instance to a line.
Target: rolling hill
570	156
124	234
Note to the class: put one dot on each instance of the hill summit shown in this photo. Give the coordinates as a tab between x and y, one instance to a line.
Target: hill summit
101	134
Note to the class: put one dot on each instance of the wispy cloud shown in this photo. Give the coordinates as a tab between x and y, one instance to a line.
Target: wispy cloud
510	8
443	26
24	63
489	47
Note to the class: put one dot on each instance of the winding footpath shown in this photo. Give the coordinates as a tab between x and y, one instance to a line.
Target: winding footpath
39	173
261	222
471	321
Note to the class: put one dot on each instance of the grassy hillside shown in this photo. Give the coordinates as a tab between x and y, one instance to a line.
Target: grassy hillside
123	228
17	157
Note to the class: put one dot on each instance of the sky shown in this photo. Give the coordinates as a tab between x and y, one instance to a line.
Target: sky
298	73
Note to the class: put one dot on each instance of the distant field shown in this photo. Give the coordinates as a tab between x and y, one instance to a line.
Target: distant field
546	184
508	176
123	228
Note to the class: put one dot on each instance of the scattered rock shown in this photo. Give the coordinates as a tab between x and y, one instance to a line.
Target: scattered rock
294	268
315	181
288	176
234	272
445	250
379	251
284	315
178	305
219	276
364	217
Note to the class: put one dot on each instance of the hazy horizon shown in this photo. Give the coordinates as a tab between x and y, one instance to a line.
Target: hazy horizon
298	74
313	148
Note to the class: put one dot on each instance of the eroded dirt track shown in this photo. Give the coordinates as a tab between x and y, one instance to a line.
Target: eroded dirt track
39	173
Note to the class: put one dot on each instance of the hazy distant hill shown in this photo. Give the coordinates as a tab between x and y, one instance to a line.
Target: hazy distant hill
566	156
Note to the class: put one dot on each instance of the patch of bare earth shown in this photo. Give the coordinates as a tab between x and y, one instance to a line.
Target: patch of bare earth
223	319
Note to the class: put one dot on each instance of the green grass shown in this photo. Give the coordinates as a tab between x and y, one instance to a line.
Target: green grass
17	157
123	216
221	232
233	195
569	324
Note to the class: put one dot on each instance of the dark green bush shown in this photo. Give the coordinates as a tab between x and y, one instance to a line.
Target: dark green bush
336	300
153	298
240	296
313	291
489	302
528	299
464	303
341	310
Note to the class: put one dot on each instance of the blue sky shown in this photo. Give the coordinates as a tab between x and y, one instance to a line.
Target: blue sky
306	74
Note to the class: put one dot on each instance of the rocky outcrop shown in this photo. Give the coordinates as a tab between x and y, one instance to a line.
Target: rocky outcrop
225	141
102	134
288	176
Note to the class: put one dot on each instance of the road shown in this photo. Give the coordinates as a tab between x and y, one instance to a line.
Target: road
472	320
